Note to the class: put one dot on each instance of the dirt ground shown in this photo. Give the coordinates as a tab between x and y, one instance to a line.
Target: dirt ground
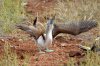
39	6
64	46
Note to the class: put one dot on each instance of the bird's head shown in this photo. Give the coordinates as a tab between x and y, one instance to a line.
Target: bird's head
50	23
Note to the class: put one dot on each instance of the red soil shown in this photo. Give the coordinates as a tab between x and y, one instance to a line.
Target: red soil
39	6
63	47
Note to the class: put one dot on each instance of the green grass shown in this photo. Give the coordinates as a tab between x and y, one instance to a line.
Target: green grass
10	58
91	59
11	13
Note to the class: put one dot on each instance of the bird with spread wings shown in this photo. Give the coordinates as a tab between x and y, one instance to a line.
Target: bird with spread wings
45	37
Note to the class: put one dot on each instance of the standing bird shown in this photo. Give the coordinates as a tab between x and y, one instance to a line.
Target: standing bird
43	40
38	32
46	39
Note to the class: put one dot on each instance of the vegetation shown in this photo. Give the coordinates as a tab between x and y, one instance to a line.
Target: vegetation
11	13
91	59
10	57
74	10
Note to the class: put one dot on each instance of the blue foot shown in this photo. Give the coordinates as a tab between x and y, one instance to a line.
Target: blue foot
48	50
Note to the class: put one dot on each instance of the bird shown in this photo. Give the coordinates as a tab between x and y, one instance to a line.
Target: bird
74	28
46	39
39	33
43	38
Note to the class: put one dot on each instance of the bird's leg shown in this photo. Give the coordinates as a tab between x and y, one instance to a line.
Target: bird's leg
40	51
49	50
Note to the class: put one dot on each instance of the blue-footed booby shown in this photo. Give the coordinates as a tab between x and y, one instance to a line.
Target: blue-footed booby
73	28
42	37
46	39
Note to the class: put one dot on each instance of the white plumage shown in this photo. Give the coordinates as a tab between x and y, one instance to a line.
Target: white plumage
45	40
41	41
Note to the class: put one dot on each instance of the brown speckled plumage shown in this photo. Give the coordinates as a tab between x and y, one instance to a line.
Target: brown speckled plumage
73	28
35	30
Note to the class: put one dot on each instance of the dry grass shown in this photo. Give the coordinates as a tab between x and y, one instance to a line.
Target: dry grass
10	57
74	10
91	59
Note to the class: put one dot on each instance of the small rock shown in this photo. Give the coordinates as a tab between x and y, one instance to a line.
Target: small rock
75	53
63	44
2	40
85	47
20	39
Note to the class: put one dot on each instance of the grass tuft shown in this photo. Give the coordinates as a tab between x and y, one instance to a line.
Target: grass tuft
11	13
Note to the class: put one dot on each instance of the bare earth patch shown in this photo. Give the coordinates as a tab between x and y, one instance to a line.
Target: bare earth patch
64	48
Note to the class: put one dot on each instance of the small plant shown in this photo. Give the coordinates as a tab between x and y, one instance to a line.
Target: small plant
91	59
10	58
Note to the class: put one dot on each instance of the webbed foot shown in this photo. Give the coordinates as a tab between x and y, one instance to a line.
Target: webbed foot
48	50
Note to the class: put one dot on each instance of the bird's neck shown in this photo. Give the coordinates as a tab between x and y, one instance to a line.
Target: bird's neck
49	34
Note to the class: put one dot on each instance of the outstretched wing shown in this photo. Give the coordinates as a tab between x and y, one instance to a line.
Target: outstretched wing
74	28
35	30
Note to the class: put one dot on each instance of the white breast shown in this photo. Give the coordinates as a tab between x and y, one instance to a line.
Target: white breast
48	38
40	41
